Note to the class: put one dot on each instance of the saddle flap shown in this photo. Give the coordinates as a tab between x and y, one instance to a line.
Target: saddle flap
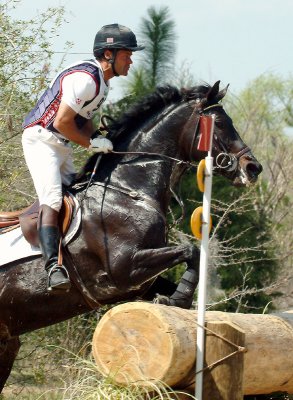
7	222
29	219
11	217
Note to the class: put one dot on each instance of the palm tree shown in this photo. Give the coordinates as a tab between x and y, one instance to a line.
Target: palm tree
157	33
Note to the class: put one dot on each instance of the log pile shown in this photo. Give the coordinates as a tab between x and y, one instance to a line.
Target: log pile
141	342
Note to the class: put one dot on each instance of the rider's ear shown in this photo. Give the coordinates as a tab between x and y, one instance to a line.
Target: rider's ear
108	54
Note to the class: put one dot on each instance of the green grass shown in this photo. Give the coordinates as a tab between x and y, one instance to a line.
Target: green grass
46	370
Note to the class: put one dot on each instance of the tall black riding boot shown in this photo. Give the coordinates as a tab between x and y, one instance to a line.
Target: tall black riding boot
58	278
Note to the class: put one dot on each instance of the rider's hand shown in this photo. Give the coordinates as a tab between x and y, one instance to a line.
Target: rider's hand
101	144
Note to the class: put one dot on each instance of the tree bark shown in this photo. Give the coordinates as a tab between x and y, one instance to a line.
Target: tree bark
140	342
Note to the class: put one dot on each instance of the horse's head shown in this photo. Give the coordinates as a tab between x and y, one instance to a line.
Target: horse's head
232	157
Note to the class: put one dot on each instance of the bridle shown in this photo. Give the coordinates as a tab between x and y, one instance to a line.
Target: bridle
224	160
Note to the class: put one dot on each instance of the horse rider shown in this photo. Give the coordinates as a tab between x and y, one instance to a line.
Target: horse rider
64	114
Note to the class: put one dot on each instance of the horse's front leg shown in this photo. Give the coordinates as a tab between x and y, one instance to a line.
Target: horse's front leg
152	262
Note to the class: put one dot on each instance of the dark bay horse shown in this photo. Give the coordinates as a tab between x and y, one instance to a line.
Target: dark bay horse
121	247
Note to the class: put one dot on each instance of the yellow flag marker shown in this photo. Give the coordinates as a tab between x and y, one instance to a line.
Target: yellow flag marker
200	175
196	223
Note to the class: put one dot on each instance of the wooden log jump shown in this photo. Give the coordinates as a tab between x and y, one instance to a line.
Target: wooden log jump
140	342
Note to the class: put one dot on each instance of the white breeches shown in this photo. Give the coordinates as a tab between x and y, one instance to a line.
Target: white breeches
50	163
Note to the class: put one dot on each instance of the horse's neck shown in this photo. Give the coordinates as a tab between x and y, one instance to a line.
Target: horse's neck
158	140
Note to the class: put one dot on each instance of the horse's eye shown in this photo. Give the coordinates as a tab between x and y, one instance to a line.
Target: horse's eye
219	124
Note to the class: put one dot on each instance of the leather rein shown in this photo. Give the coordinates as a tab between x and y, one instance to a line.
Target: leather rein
224	159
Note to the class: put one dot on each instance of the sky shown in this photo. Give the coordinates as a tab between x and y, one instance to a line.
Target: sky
234	41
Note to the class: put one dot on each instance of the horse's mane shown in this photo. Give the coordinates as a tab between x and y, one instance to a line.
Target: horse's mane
139	112
145	108
154	103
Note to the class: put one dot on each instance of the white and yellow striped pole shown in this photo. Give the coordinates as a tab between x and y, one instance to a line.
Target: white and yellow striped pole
201	225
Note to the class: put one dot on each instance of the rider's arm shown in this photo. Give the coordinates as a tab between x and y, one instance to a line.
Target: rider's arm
66	125
77	88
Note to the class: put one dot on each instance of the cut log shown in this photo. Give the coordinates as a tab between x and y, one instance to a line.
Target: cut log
223	380
141	342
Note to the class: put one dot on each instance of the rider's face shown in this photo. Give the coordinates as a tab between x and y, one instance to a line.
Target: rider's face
123	61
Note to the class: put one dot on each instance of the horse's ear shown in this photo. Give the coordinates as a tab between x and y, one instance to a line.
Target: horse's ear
222	93
213	92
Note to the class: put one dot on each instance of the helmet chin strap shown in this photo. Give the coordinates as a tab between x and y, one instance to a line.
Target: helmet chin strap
112	62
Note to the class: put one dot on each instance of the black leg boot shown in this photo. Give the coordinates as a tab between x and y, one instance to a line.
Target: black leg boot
58	278
183	295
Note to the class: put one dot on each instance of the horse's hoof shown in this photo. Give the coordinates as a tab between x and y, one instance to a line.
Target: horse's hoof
159	299
182	302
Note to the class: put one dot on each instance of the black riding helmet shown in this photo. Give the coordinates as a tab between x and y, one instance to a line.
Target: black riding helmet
115	37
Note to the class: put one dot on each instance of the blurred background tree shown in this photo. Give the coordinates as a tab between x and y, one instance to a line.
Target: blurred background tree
25	68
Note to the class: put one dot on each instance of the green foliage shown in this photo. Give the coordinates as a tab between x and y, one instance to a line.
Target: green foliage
262	112
156	66
245	255
246	240
25	63
159	37
25	70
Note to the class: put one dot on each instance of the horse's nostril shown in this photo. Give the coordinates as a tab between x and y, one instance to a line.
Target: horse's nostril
253	169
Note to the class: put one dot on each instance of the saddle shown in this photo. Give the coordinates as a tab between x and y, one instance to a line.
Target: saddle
27	219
